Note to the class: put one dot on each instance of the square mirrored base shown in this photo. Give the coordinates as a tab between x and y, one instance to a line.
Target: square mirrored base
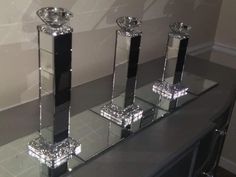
145	93
53	155
129	116
122	116
169	91
16	160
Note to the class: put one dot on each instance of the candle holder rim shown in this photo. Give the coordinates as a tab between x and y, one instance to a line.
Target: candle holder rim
42	13
180	28
128	26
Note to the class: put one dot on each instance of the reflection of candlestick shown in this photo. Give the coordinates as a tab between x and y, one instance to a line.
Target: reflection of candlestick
170	85
123	110
54	147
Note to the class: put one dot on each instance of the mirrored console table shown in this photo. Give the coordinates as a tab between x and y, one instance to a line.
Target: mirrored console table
186	141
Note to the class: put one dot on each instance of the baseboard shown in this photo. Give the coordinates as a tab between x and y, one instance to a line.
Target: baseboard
201	48
224	48
228	165
17	104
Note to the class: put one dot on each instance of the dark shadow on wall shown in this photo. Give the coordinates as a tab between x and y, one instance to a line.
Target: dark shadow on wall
202	15
125	8
173	9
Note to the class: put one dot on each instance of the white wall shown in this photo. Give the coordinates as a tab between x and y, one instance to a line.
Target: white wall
93	42
227	24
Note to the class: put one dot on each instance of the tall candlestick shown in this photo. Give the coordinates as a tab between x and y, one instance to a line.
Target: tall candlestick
54	147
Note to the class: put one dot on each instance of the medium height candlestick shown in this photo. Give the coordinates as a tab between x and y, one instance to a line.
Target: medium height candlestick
123	110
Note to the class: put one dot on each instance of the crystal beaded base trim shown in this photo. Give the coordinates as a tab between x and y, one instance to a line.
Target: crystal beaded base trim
53	155
168	90
121	116
55	31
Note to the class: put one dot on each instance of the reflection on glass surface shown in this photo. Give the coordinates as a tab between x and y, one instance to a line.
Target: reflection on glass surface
171	105
97	133
47	61
161	102
47	82
174	62
197	85
124	110
94	133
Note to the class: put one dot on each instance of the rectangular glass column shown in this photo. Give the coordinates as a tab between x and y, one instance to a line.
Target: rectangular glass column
122	108
54	148
55	85
125	68
175	58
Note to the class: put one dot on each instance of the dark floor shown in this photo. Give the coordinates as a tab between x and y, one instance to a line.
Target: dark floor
224	173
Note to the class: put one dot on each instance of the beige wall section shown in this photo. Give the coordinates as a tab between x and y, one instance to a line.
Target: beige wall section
227	24
93	42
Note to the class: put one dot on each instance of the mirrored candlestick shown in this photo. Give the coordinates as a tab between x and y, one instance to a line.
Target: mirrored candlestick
123	110
54	147
170	85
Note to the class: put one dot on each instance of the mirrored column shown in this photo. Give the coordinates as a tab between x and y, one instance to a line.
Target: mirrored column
170	85
169	92
54	147
122	108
